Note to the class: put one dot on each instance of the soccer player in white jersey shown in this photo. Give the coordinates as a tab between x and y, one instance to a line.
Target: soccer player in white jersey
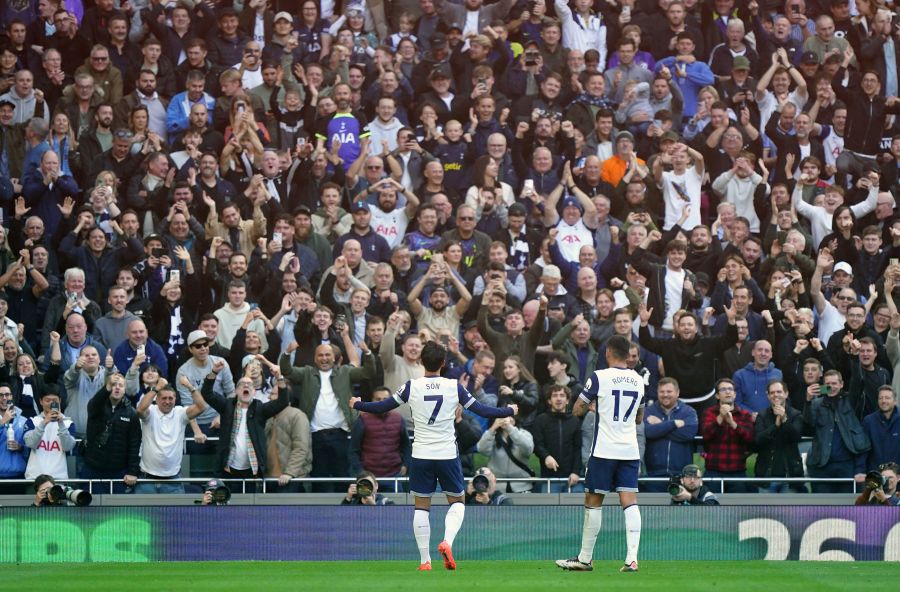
435	457
615	459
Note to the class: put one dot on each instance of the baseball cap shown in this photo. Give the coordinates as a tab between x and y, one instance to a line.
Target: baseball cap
624	135
195	336
669	136
809	57
702	278
842	266
740	63
7	102
284	15
358	206
532	43
303	209
571	201
438	41
155	237
439	71
691	471
552	272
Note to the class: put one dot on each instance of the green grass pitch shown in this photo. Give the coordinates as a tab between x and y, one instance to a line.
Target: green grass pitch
496	576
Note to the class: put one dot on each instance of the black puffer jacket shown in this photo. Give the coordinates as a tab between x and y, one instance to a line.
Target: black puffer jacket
113	439
558	435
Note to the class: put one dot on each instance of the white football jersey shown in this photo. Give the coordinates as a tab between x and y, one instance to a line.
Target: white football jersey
391	225
619	393
432	401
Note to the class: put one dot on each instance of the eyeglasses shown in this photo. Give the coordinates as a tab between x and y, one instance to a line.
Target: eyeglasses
204	345
4	395
373	167
99	59
123	134
466	218
726	389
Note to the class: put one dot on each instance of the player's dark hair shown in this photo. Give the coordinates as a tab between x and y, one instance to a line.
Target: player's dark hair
618	347
433	356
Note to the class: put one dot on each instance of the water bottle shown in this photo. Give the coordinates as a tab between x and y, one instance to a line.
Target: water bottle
10	437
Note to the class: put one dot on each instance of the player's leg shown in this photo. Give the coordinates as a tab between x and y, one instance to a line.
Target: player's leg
422	485
596	484
454	485
626	485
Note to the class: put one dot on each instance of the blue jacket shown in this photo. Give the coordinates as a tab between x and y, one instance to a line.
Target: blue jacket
124	355
70	353
751	384
179	111
885	437
669	448
12	464
570	269
697	76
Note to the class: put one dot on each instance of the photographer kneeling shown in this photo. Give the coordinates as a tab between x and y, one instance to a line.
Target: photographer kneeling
42	486
482	490
47	492
688	489
365	492
881	487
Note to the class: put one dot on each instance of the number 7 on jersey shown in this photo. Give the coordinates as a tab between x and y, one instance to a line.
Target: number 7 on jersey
438	401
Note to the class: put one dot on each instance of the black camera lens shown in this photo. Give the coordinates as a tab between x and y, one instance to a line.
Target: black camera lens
481	483
674	487
364	488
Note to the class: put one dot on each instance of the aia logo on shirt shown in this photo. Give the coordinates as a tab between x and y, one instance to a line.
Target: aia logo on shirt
571	238
49	446
386	231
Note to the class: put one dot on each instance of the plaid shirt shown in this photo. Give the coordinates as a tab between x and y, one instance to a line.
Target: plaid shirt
726	447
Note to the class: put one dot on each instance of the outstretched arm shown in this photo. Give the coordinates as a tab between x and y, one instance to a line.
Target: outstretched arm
382	406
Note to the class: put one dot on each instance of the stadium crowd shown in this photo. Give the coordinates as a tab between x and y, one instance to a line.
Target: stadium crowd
226	219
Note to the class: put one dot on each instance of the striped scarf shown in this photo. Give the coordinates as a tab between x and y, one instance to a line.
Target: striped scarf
235	428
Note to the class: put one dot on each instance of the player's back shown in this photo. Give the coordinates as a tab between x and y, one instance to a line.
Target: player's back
433	401
619	394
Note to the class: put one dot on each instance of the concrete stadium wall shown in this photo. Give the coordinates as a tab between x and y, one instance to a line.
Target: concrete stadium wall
292	533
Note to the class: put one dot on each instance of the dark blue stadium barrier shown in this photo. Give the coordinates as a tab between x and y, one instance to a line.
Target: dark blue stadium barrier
293	533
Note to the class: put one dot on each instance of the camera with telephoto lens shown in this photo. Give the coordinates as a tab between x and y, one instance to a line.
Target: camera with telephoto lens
220	492
875	480
675	485
365	487
480	481
59	494
531	57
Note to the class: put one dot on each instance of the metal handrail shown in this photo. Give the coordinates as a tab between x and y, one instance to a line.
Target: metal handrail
398	480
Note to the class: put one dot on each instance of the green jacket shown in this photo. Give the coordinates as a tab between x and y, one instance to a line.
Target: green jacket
562	342
307	385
